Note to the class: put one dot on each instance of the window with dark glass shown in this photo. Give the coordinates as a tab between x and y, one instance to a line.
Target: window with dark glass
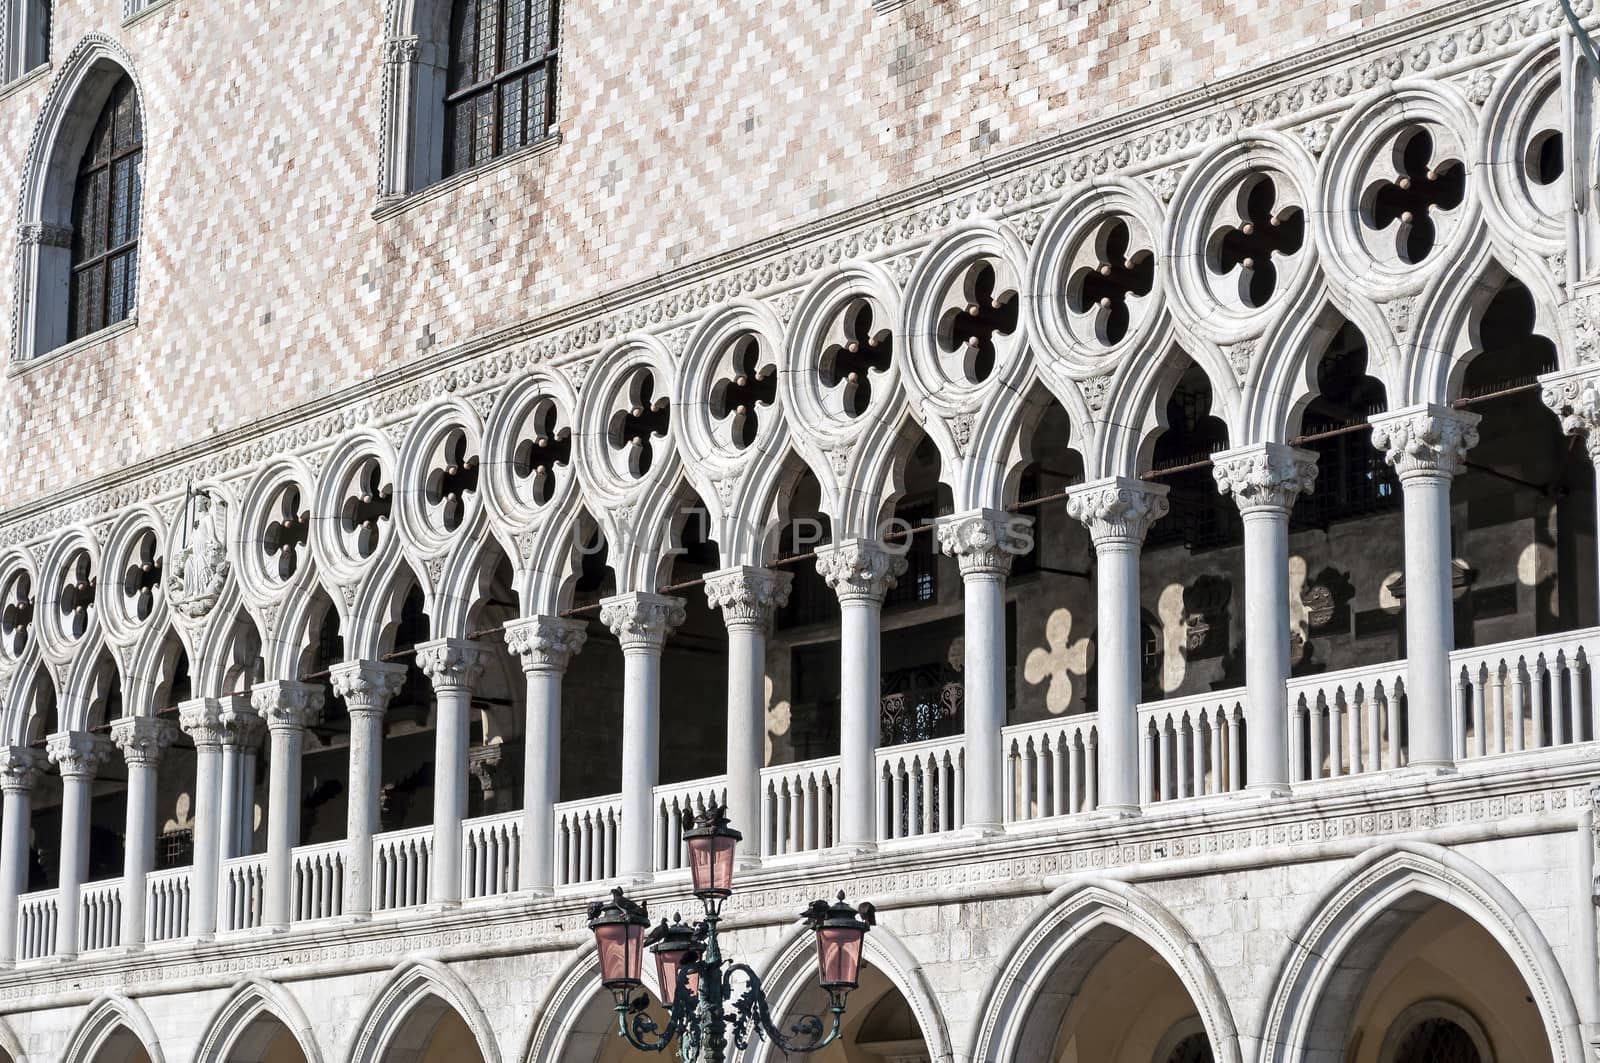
500	95
105	217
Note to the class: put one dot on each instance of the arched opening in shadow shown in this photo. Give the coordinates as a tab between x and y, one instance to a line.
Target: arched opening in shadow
591	703
878	1025
405	792
325	758
265	1040
694	670
121	1046
495	759
433	1032
803	655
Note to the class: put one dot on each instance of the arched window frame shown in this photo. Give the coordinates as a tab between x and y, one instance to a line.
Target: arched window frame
24	37
1422	1011
415	83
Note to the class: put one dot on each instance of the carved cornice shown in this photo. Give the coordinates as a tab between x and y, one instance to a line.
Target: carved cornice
142	739
201	720
642	622
546	643
1574	397
451	663
287	706
77	754
1426	440
985	541
860	570
1118	509
19	768
1266	477
748	597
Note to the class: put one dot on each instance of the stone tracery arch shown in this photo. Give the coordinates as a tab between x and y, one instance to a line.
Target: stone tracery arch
240	1030
424	990
114	1030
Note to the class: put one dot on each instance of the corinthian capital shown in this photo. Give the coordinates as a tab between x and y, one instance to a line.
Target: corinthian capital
242	726
748	597
1573	395
451	663
142	739
642	621
984	541
860	570
201	720
19	768
1118	509
1426	440
1264	476
366	686
287	705
546	643
77	754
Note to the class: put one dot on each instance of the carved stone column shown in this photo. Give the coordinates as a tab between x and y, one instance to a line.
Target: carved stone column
984	542
143	741
19	770
366	688
642	624
545	645
77	755
1573	395
200	719
861	572
288	709
243	732
1265	479
748	598
1118	511
1427	445
453	665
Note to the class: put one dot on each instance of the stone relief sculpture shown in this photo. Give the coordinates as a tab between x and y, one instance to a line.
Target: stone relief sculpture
200	568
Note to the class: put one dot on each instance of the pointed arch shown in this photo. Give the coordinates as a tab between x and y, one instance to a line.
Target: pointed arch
403	998
117	1024
375	611
10	1044
574	990
1366	901
1137	399
1292	352
1063	938
252	1002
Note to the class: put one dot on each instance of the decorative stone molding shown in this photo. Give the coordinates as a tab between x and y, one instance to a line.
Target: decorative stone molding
19	768
44	235
860	570
1426	440
287	705
546	643
201	720
142	739
1574	397
1265	476
748	596
402	49
451	663
1118	509
77	754
242	726
200	564
984	541
642	622
366	686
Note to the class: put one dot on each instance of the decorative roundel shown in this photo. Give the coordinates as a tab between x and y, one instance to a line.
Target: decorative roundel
1096	275
627	438
440	476
135	561
745	389
727	390
1239	239
846	369
1522	138
354	506
1396	194
530	437
71	578
275	530
964	313
17	608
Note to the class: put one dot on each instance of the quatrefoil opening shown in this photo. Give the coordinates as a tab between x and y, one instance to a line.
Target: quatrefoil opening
979	309
748	381
452	479
1415	200
367	508
855	350
639	421
16	614
284	538
1268	231
1110	280
75	596
141	579
543	449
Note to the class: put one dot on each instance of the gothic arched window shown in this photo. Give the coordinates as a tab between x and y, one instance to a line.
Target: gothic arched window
105	217
500	89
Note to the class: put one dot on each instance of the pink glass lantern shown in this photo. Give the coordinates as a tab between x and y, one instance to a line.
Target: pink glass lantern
711	844
840	932
619	927
674	946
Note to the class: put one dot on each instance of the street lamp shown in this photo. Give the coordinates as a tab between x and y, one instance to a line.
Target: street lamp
704	1005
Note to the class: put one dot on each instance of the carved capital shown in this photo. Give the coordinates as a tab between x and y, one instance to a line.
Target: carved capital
1264	477
142	739
545	643
287	705
451	664
642	622
1574	397
984	541
402	49
860	570
1426	440
747	596
77	754
45	235
201	720
242	726
19	768
366	686
1118	509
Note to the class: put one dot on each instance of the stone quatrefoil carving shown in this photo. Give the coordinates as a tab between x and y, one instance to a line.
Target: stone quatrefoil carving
286	534
452	479
640	421
1410	198
545	444
16	615
1104	288
1264	230
77	594
142	577
979	314
739	398
366	508
860	351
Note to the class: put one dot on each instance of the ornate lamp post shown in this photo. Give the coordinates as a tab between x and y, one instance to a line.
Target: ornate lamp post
713	998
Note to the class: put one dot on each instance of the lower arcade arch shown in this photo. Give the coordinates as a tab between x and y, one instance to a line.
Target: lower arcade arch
116	1030
426	1014
260	1023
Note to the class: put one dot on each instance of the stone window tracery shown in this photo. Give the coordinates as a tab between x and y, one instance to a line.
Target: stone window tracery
857	348
500	88
367	509
142	578
544	446
105	217
1266	229
75	597
981	307
639	421
452	479
1108	280
16	614
1425	183
750	383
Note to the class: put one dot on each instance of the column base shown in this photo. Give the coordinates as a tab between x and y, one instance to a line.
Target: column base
536	892
1267	791
856	848
1427	768
981	830
1116	812
747	862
